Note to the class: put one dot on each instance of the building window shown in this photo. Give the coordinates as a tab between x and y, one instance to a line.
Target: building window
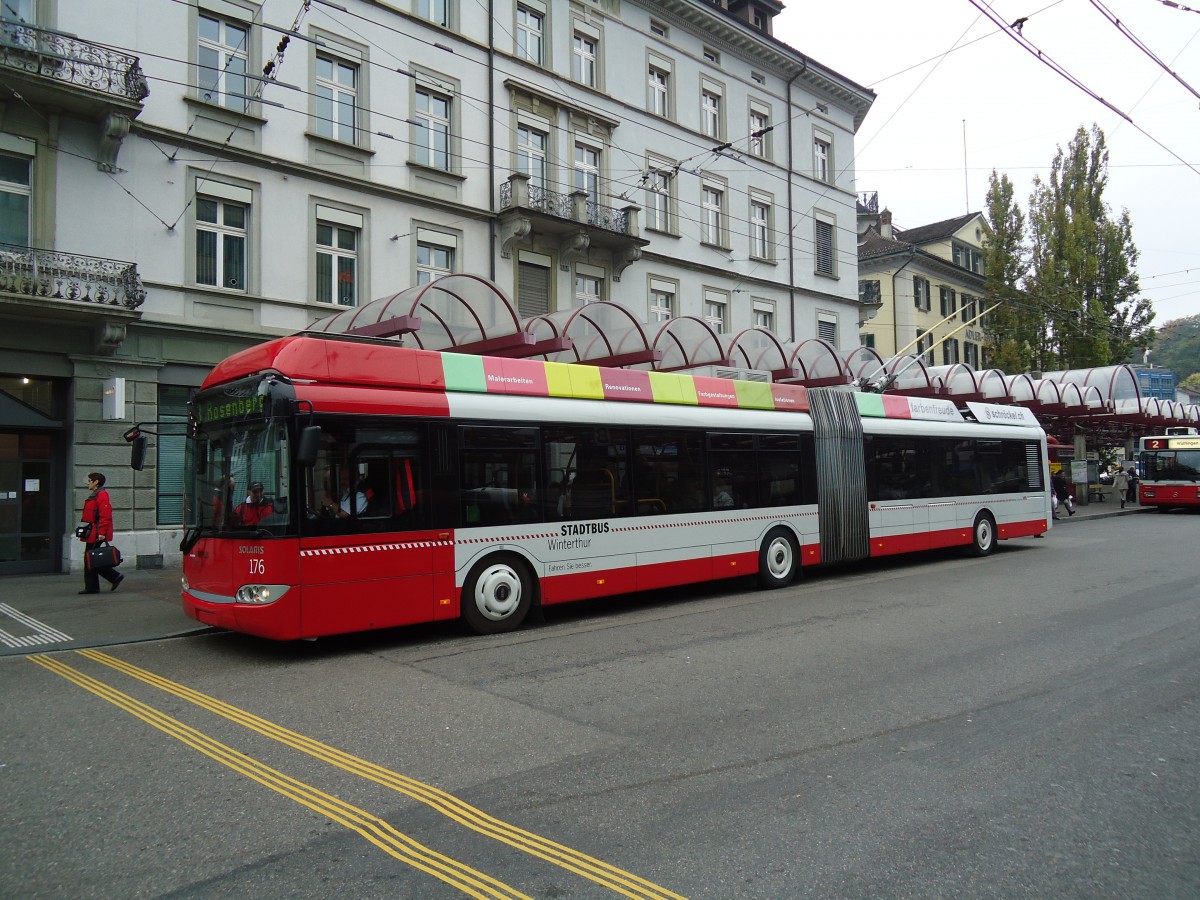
433	261
533	286
659	86
658	200
15	192
712	56
716	307
823	158
530	29
949	351
435	11
827	328
658	29
710	113
966	257
869	292
712	214
968	308
824	247
764	315
866	340
431	142
531	156
921	292
760	229
925	345
336	94
662	300
948	301
971	354
758	78
171	443
583	61
221	243
223	55
759	133
588	289
587	173
337	263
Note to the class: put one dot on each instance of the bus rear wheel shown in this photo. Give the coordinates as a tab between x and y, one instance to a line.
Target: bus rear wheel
778	559
497	595
983	535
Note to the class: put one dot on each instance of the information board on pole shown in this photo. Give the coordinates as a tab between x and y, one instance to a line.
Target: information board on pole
1079	471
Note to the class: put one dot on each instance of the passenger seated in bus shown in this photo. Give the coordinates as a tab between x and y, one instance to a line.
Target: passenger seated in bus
255	507
722	494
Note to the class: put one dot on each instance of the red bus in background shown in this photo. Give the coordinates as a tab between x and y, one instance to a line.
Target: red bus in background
410	486
1170	470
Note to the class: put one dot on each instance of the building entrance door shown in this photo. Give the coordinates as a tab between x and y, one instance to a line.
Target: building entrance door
31	490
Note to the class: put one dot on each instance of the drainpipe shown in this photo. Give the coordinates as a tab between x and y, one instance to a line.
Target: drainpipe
896	306
492	202
791	211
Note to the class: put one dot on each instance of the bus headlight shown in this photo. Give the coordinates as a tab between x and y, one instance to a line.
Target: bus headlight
259	594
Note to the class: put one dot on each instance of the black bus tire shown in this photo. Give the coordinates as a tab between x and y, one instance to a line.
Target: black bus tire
497	594
778	559
983	534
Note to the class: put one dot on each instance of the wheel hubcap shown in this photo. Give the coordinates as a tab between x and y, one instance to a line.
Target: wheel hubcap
779	558
498	593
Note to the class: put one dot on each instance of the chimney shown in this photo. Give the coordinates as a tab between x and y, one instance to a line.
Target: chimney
885	223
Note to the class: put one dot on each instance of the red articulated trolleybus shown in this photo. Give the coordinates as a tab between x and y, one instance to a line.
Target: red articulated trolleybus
1171	470
404	485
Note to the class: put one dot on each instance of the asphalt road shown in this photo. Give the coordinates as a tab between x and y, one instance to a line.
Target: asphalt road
1022	725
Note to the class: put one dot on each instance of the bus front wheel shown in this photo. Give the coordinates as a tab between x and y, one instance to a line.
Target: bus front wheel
497	595
983	532
778	560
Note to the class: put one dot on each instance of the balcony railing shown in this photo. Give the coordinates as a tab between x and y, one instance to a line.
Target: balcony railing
564	206
72	61
69	276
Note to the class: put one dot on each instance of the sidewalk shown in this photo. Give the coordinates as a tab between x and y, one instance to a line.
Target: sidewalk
40	613
45	612
1098	509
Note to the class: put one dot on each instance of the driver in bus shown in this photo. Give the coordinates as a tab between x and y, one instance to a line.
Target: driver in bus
255	507
347	500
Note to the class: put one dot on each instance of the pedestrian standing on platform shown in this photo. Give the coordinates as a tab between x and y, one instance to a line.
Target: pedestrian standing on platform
1121	484
1133	485
97	513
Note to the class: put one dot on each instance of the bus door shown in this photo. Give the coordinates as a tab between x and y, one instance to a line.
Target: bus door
369	558
900	486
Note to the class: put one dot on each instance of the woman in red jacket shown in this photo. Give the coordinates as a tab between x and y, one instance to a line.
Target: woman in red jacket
97	510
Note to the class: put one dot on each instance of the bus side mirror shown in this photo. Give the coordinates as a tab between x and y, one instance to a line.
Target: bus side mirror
309	446
137	448
137	453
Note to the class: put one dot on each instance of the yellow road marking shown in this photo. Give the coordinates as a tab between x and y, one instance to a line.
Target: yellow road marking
376	830
618	880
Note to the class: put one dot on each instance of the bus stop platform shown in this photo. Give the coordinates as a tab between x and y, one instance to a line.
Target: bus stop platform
43	613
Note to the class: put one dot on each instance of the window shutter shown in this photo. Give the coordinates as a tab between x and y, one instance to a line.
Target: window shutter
533	289
824	248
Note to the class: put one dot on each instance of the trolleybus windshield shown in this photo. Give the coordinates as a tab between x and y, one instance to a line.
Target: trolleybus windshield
237	478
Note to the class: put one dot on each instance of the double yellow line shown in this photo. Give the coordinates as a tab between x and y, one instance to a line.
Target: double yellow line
376	830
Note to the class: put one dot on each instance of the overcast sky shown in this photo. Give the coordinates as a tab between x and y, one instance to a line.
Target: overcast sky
934	63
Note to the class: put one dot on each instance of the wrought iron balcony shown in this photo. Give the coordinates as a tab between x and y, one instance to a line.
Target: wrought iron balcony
39	51
574	221
71	277
569	206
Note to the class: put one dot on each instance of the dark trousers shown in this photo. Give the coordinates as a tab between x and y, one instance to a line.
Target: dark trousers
91	577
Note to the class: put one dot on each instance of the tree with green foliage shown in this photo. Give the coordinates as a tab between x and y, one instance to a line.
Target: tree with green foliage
1013	332
1177	347
1067	298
